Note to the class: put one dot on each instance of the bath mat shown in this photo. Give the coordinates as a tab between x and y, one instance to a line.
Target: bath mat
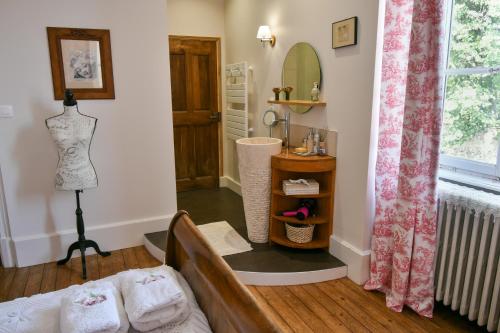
224	239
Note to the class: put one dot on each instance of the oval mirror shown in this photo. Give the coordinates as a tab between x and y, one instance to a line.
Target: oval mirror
301	69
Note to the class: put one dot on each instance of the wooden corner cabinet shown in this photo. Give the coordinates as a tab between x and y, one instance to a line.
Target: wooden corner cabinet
290	166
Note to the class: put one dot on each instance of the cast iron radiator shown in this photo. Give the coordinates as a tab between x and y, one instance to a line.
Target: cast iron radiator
467	274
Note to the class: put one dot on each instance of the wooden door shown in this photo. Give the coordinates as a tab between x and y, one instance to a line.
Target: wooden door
194	75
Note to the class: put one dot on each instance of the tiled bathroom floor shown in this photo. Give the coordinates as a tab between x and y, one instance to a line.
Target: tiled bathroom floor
222	204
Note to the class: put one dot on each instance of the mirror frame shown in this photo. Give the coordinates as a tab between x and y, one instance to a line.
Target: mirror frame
297	108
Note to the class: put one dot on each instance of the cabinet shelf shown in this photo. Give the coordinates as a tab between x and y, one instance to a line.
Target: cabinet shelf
321	194
315	244
299	102
293	220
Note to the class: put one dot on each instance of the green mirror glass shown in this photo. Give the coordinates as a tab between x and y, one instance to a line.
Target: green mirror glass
301	69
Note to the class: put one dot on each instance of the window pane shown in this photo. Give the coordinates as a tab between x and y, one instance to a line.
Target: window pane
475	34
471	121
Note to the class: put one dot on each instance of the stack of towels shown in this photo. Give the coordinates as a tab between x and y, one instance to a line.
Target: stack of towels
93	309
153	301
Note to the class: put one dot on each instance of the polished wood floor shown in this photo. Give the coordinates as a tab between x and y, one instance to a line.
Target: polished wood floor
343	306
334	306
27	281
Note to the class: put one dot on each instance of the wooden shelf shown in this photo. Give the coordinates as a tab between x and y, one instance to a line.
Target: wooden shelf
321	194
309	220
299	102
315	244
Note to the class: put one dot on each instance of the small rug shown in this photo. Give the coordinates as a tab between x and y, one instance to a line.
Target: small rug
224	239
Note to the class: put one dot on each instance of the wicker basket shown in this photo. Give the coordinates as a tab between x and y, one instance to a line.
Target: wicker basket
299	234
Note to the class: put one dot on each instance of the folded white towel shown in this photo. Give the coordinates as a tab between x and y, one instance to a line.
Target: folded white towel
153	298
93	309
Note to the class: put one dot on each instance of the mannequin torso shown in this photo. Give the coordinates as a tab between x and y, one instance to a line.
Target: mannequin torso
72	133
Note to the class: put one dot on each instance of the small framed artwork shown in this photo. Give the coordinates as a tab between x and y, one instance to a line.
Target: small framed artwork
345	32
80	60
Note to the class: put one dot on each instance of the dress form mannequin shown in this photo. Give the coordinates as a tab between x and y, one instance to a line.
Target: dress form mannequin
72	132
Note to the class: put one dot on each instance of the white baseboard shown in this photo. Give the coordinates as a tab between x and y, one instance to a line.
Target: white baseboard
230	183
358	261
290	278
42	248
7	251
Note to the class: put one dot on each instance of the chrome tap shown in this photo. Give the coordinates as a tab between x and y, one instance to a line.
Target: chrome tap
286	122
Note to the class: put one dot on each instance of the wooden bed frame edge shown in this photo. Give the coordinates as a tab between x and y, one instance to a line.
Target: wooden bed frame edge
227	303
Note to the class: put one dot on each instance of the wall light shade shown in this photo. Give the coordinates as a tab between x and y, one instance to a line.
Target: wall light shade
265	35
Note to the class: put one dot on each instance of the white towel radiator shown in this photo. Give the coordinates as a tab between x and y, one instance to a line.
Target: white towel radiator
467	263
237	101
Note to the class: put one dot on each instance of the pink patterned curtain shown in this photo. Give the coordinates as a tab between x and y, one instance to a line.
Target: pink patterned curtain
404	231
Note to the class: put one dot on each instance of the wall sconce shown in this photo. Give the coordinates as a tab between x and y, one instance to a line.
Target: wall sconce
265	35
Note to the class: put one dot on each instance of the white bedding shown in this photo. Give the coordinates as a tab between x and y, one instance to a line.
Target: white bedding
40	313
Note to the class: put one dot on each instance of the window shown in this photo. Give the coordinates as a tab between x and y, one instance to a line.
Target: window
471	121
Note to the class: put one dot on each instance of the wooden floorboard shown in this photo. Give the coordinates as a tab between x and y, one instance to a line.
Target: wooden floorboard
6	278
309	317
335	309
380	314
333	306
280	306
34	282
19	283
130	259
330	320
63	276
49	277
275	316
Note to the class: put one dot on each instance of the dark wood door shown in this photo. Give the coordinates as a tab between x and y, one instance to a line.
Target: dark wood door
195	72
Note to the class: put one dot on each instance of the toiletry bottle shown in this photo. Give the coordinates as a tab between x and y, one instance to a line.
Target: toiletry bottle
322	148
322	143
310	143
316	141
315	92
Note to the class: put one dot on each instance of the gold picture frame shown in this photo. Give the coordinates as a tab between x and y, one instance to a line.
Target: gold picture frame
345	33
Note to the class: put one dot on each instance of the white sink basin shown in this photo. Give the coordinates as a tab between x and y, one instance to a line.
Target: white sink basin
259	141
254	159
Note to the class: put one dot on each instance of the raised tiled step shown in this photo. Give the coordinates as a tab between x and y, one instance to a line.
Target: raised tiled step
266	264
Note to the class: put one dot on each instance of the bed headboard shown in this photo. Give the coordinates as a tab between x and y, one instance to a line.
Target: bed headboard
226	302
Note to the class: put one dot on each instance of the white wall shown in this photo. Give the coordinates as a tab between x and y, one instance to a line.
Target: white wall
347	87
202	18
132	150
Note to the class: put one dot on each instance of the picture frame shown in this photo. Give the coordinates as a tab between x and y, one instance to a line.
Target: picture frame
345	32
80	60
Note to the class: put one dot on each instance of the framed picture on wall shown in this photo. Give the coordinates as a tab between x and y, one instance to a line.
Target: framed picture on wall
80	59
345	32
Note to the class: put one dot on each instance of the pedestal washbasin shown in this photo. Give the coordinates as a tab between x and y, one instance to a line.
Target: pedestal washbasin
254	159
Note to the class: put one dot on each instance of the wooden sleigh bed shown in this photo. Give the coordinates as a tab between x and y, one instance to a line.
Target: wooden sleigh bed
227	303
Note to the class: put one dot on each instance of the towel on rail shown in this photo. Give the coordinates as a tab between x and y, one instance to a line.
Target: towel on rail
153	298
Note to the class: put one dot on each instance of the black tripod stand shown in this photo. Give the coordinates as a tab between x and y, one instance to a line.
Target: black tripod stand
82	244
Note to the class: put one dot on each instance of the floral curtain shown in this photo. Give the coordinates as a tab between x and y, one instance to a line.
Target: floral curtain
404	231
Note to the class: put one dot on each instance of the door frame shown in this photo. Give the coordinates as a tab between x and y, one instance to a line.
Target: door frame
220	91
6	245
